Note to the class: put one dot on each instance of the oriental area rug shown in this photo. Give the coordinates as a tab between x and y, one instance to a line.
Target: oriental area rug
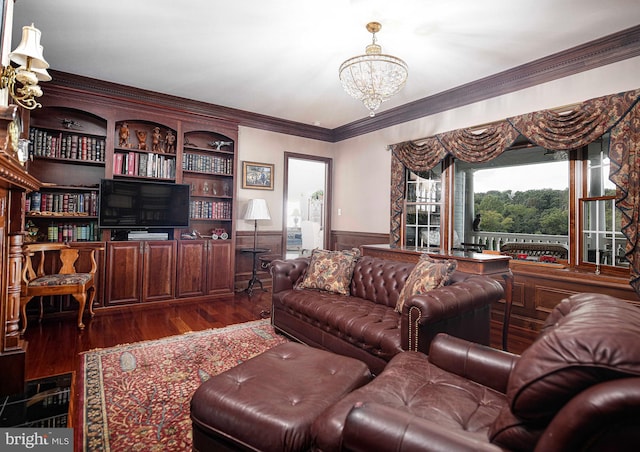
136	397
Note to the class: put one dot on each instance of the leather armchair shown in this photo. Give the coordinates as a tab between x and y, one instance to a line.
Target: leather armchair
577	387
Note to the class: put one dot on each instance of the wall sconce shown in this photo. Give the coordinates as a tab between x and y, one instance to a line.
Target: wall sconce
22	82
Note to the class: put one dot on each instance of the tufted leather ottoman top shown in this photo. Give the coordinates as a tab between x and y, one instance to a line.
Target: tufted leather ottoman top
270	401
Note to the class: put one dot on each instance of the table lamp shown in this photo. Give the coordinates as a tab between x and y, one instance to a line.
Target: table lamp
257	209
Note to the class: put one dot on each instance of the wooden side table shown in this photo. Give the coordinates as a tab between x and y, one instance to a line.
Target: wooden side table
254	268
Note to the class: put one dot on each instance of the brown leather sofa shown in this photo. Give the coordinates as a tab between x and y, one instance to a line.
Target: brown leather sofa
365	325
577	387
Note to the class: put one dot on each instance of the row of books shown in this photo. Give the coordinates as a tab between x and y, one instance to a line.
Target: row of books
144	164
210	210
72	232
67	202
45	143
208	163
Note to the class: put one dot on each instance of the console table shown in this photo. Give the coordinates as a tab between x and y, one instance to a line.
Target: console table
495	266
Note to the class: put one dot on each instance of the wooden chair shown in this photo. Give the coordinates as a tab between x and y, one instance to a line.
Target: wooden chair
63	280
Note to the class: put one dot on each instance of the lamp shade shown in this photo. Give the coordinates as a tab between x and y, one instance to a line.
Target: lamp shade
29	48
41	74
257	209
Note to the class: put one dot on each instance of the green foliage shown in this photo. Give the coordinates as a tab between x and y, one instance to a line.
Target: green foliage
526	212
554	220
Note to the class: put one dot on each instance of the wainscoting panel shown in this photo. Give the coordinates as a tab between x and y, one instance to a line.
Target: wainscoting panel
272	240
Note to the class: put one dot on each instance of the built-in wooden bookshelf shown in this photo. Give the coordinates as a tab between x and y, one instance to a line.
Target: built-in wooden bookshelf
78	139
69	214
67	151
144	150
208	165
66	145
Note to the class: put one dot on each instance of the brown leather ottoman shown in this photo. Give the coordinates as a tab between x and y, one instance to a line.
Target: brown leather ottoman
269	402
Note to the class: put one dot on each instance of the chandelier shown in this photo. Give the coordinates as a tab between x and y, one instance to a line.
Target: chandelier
373	77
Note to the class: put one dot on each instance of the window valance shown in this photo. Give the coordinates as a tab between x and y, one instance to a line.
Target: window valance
558	129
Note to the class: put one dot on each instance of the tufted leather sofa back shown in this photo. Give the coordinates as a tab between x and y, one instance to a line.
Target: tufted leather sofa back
379	280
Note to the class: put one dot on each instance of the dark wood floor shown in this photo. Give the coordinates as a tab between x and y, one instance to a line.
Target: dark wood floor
54	344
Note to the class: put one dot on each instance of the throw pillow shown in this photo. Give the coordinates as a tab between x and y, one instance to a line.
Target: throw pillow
428	274
330	270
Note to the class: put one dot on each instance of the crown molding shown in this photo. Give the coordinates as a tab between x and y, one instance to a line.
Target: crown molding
189	106
609	49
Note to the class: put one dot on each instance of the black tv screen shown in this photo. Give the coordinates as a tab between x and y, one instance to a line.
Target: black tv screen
137	205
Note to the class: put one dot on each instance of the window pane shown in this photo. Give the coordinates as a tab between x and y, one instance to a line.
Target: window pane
598	183
602	241
422	208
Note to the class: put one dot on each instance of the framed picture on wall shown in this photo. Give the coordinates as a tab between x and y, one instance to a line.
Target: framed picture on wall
257	175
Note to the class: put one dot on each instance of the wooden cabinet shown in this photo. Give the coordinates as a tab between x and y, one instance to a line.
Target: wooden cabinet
206	268
140	271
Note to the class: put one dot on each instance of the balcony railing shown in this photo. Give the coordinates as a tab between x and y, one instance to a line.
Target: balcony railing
494	240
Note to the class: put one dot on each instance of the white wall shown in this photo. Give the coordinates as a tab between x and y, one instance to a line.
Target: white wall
362	165
269	147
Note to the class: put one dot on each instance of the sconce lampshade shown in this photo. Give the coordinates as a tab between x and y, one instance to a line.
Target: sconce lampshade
257	209
41	74
29	47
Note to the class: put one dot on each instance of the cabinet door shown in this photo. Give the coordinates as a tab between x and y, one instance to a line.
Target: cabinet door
124	273
192	261
159	270
219	268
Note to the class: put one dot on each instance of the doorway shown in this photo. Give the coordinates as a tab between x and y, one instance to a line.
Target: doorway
307	204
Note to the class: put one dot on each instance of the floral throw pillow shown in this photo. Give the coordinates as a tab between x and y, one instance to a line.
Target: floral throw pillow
330	270
428	274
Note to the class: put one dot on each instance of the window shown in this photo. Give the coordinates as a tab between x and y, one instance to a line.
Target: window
423	206
601	242
520	196
526	194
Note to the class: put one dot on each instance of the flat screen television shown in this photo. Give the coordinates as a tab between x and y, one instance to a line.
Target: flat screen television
128	204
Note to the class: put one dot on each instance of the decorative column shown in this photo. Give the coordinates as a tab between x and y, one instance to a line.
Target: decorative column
12	306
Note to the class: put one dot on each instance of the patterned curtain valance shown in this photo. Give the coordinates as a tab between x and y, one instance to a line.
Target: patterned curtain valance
464	144
557	130
576	127
420	157
477	147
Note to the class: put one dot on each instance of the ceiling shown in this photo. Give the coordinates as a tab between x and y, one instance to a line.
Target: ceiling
280	58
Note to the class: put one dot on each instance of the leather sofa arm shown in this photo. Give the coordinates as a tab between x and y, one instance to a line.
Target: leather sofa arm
285	273
485	365
603	416
374	426
462	309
